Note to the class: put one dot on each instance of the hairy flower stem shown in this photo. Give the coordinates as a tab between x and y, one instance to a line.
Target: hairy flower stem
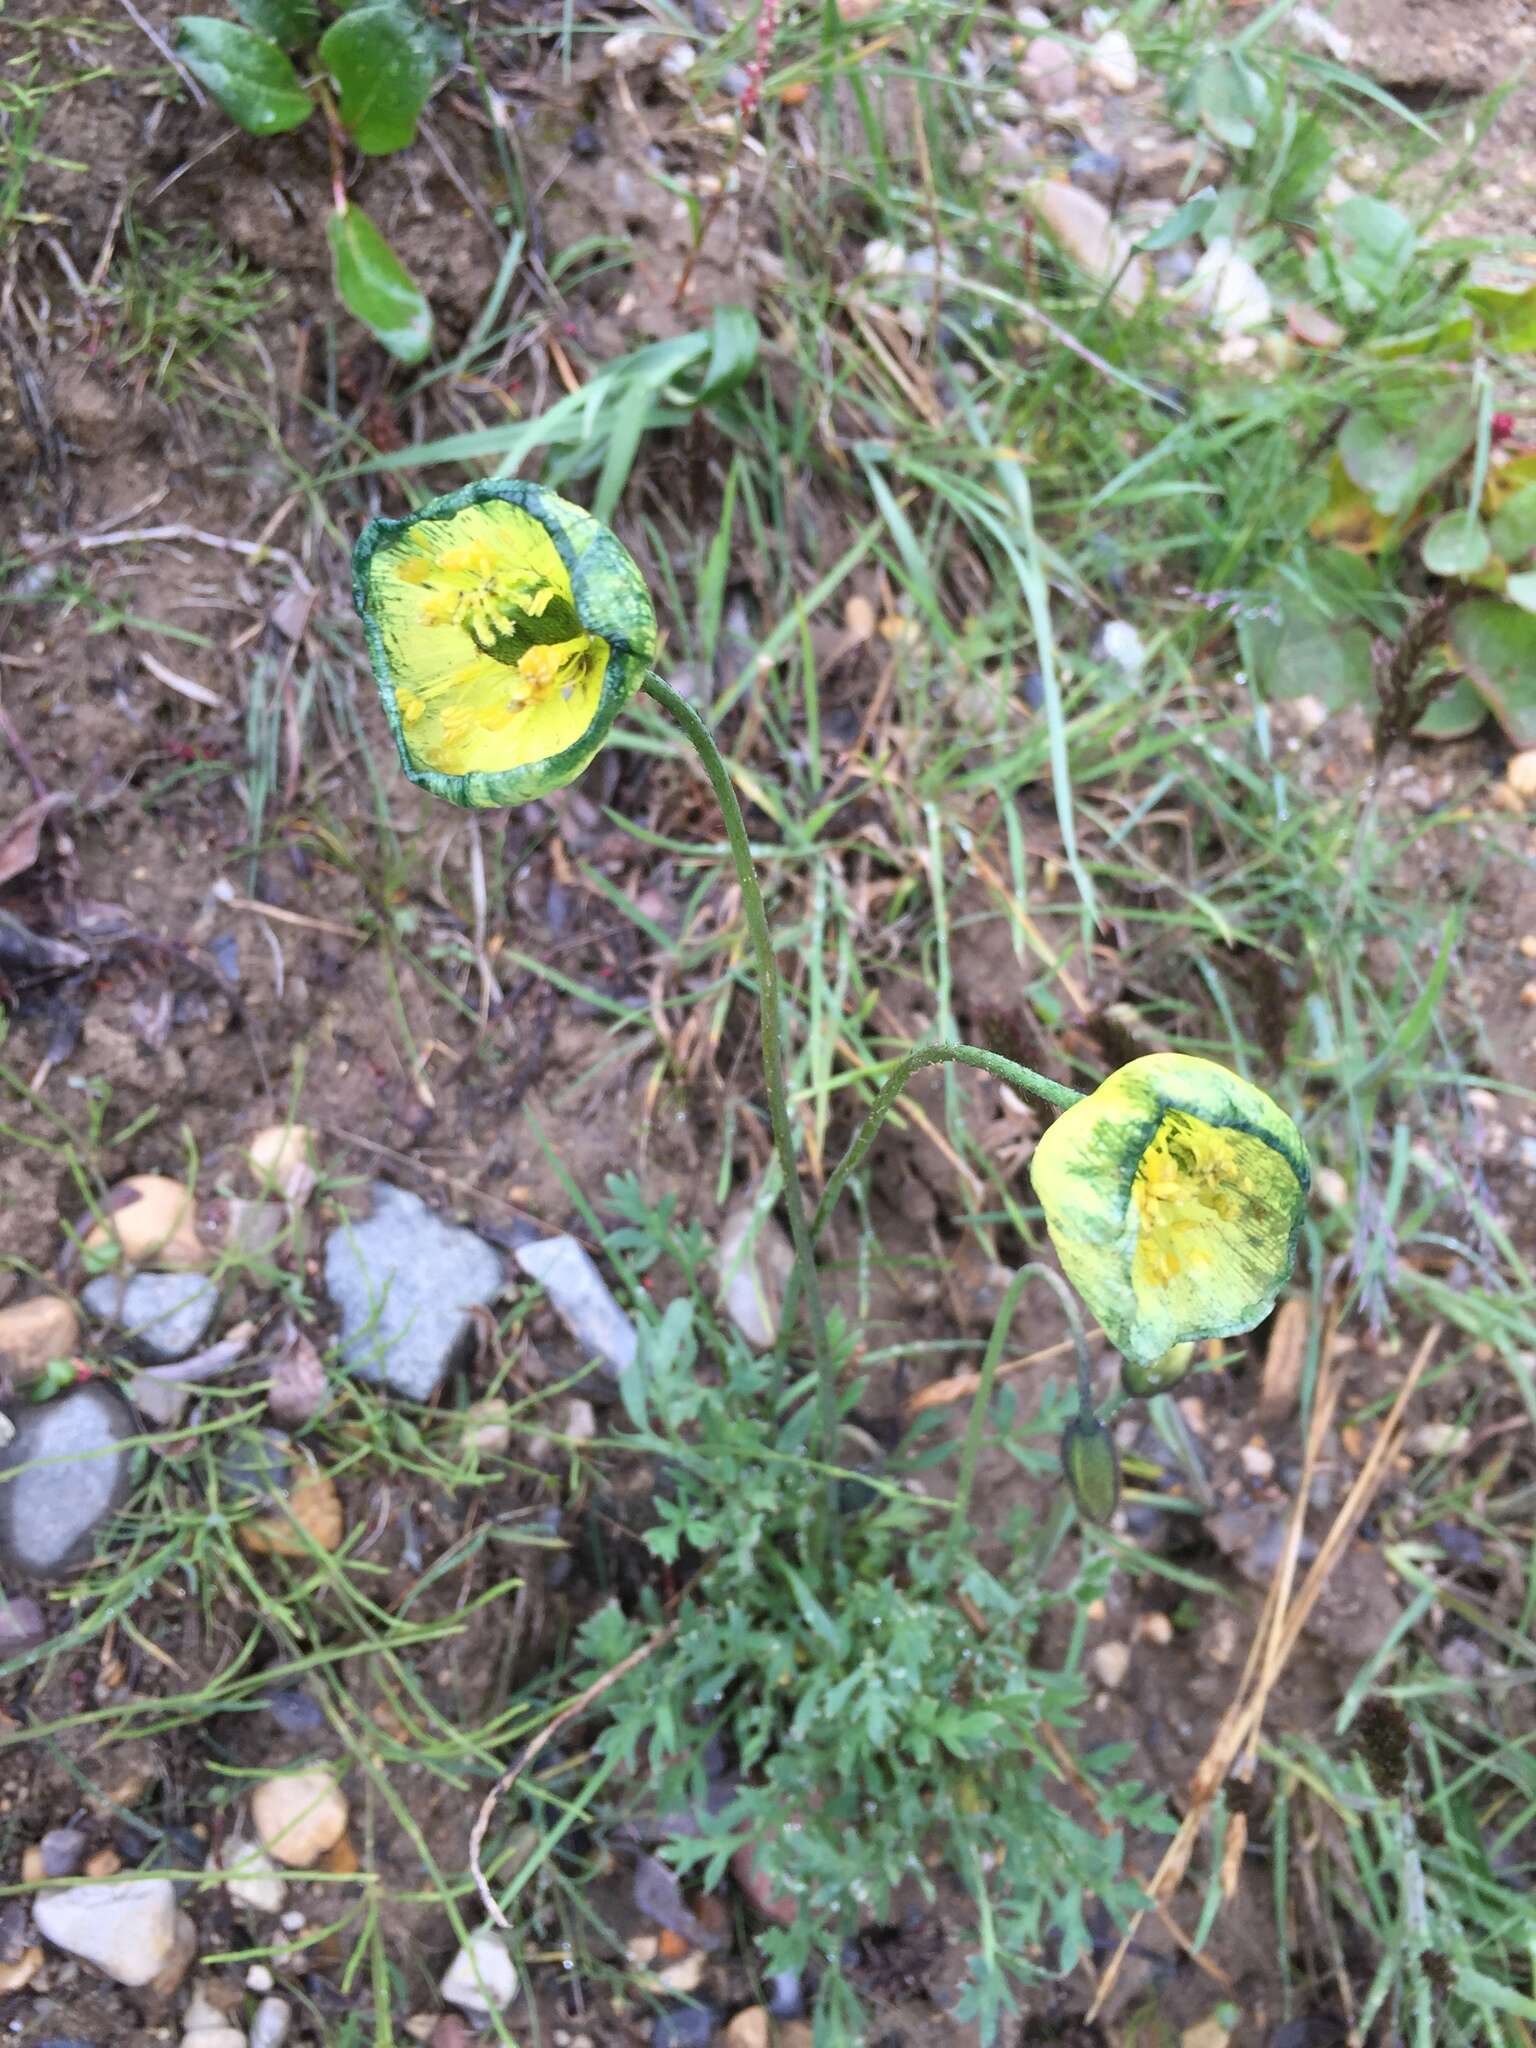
770	1012
1024	1079
982	1400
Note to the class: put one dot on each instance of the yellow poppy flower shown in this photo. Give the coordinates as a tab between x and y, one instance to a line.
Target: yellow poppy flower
1173	1195
507	629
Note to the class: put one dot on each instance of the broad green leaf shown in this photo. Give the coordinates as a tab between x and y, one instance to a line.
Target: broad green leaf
292	23
1455	715
1298	654
1231	98
1394	466
1509	317
1522	590
1513	531
382	60
247	74
375	285
1456	545
1305	162
1451	336
1497	643
1373	244
1184	221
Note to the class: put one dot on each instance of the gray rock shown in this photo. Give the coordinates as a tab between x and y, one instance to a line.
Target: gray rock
127	1929
22	1628
686	2026
62	1475
404	1281
163	1315
63	1851
579	1296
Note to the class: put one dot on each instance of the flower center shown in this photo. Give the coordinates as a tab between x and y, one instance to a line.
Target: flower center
1189	1190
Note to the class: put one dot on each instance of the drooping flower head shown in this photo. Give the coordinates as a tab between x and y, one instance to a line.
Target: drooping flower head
1174	1196
507	629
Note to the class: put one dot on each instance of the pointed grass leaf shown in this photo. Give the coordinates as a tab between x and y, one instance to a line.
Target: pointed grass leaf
1497	645
290	23
374	284
247	74
382	59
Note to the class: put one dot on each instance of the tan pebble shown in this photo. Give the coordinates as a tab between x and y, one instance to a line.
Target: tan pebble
341	1861
488	1427
1220	1642
149	1216
1521	775
1111	1662
684	1976
1528	946
34	1333
672	1946
420	2025
1332	1188
642	1949
282	1158
581	1422
750	2029
313	1504
1528	995
1155	1628
18	1975
32	1871
105	1863
167	1978
1048	72
253	1881
1257	1460
299	1817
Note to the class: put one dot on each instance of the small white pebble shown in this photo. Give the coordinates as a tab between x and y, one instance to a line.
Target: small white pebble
1155	1628
1257	1461
292	1922
1111	1662
259	1978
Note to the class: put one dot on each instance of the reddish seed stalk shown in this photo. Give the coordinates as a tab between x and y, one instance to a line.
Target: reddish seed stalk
751	98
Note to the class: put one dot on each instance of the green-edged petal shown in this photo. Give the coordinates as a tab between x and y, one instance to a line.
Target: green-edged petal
578	605
1174	1196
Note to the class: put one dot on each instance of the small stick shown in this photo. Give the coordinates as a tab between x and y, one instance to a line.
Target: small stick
200	98
508	1778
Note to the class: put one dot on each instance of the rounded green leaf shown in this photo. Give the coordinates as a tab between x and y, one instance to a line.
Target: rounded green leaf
1454	715
1509	317
247	74
1174	1196
292	23
1497	645
1456	545
1521	590
382	60
375	285
507	629
1513	528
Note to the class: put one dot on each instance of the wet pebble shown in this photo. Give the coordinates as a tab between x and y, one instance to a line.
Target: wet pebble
34	1333
78	1474
270	2023
581	1298
687	2026
162	1315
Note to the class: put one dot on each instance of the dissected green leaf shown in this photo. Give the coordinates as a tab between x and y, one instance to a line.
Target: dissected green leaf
383	62
1456	545
1513	530
247	74
375	285
1395	465
1509	317
1455	715
1497	642
292	23
1373	244
1521	590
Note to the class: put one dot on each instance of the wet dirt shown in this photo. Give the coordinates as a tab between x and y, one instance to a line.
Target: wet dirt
244	940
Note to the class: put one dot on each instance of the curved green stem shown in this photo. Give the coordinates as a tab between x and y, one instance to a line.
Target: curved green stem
1022	1078
702	740
971	1451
